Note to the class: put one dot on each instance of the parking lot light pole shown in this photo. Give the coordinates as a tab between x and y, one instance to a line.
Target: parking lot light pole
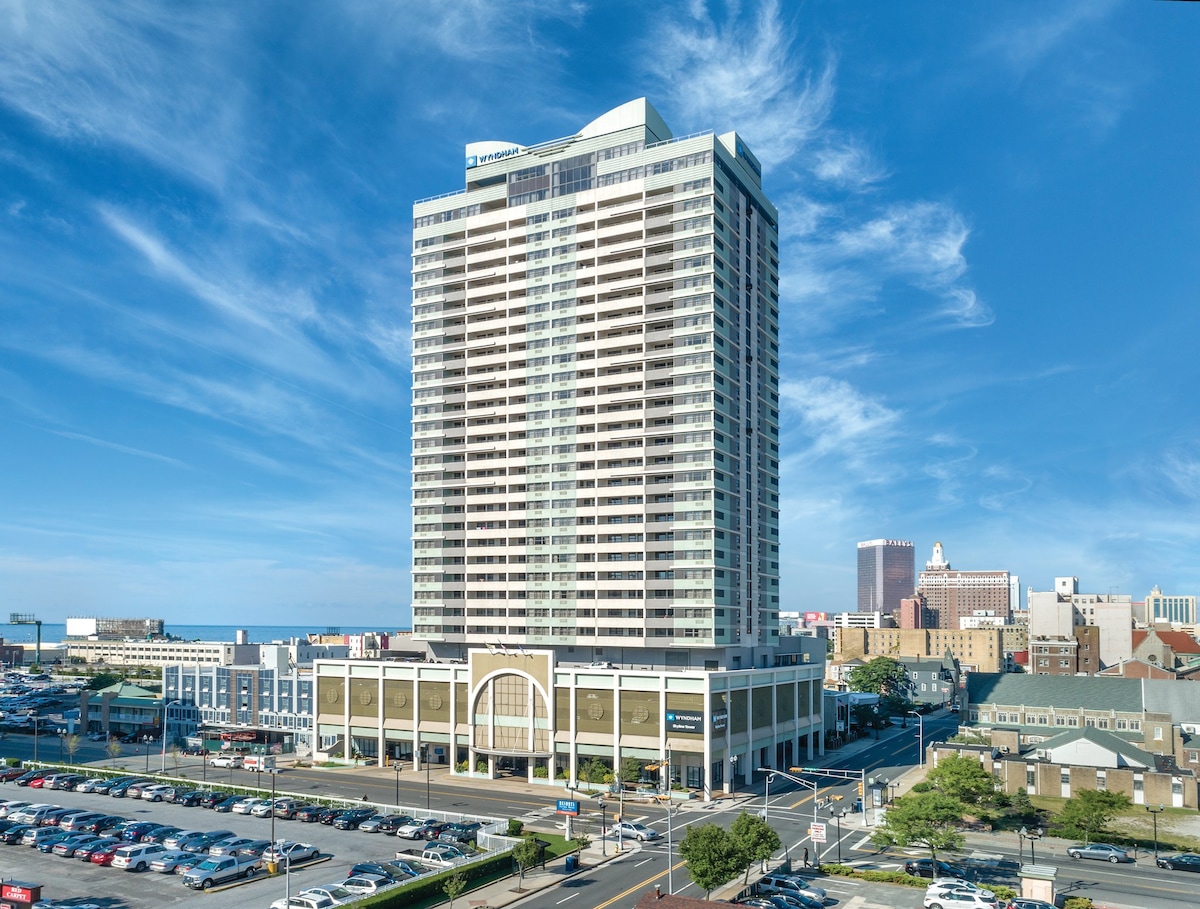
272	772
1032	836
1154	813
425	758
396	767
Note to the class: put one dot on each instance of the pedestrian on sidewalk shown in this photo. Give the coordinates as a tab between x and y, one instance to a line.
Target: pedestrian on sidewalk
805	856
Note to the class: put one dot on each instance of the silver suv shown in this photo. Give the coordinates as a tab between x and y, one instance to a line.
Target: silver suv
790	883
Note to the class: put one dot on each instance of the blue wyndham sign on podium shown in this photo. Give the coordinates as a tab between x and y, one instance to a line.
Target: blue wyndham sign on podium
567	806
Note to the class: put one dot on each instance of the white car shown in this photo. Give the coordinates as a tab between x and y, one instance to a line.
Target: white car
952	885
155	793
959	899
335	894
304	901
628	831
365	884
246	805
410	831
264	808
226	760
292	851
89	785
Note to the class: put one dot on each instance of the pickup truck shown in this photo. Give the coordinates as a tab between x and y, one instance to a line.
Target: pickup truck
220	870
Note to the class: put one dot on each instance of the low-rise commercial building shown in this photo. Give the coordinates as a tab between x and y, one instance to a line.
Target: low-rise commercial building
522	712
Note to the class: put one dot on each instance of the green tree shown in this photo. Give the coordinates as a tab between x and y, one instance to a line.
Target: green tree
103	680
756	839
712	855
963	778
630	771
453	887
928	819
1021	806
882	676
1088	814
526	854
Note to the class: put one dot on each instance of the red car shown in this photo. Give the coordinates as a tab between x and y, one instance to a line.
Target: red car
38	783
105	856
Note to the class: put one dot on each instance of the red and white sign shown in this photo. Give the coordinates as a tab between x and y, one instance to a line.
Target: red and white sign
815	617
818	833
21	893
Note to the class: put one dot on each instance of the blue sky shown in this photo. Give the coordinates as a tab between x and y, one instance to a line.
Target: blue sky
989	218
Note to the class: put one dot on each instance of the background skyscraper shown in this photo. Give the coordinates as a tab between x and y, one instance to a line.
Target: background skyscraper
885	574
595	398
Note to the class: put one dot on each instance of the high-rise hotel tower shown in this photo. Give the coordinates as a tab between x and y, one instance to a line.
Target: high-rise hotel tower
596	400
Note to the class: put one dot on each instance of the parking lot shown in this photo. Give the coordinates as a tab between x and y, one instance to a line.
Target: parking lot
69	879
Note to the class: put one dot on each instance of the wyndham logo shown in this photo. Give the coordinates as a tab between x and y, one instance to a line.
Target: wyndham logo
477	160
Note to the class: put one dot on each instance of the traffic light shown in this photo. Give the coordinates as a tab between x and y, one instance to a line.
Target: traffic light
860	792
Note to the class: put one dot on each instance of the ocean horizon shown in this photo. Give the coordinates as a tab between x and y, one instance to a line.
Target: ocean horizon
55	632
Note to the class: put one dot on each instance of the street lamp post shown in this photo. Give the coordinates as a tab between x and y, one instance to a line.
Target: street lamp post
837	816
396	767
1154	813
272	772
603	844
35	736
1032	836
920	736
670	851
146	748
733	759
767	796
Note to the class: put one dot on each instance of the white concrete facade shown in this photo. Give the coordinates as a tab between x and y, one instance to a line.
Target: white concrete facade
595	392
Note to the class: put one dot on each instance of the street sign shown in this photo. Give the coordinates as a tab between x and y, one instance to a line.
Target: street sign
567	806
818	833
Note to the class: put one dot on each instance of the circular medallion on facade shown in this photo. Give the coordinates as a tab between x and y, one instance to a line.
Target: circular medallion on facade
435	701
332	695
640	714
365	697
400	699
595	711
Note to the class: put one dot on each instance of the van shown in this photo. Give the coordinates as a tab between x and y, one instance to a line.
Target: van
259	763
36	815
136	856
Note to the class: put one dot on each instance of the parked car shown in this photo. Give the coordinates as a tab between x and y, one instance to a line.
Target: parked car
105	856
792	901
137	856
286	808
1024	903
420	829
168	861
931	869
466	833
103	824
381	823
291	851
443	854
958	886
960	899
229	846
388	870
1105	852
304	901
160	835
1184	861
409	867
89	785
79	821
29	776
135	832
212	798
265	808
246	804
790	883
255	848
85	853
366	884
45	844
66	848
183	866
15	834
349	820
8	774
120	790
225	806
309	814
631	831
329	815
336	895
158	793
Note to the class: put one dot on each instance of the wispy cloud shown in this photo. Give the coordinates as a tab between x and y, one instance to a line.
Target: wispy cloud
115	446
744	75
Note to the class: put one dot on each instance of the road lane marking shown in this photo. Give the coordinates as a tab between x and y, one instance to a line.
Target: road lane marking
637	886
646	862
571	897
